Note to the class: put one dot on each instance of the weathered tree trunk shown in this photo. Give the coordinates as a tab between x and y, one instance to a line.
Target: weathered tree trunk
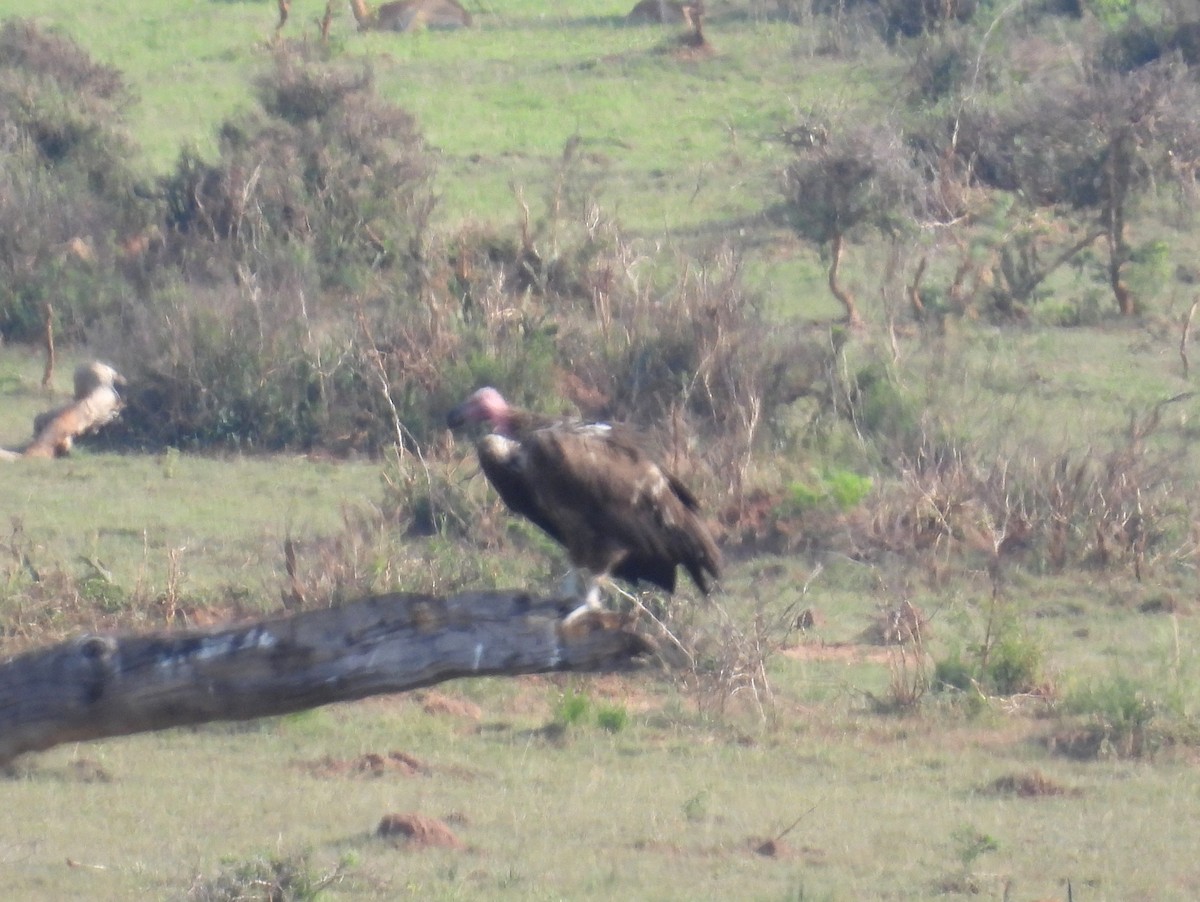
1118	180
913	290
97	686
48	339
844	296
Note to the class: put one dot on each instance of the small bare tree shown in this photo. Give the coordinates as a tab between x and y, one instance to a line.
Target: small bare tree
847	179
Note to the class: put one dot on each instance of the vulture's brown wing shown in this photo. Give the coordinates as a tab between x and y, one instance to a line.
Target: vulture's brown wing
602	492
504	464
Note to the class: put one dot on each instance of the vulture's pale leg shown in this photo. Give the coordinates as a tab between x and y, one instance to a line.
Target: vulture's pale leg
581	584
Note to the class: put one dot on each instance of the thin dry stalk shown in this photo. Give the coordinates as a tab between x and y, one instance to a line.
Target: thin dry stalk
169	600
48	372
908	675
1186	332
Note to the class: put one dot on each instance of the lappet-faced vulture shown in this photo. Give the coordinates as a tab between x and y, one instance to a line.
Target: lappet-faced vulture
595	492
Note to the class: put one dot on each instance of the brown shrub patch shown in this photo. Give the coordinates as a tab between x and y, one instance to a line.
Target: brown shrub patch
1029	785
1081	744
779	848
418	830
898	625
771	848
809	619
88	770
1163	604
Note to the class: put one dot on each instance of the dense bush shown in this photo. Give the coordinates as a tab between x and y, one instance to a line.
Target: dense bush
290	276
67	195
325	178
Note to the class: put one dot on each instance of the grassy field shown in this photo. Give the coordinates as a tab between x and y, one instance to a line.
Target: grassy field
656	786
501	101
801	758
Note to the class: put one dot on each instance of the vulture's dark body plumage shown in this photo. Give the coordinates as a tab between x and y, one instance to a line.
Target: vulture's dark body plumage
595	492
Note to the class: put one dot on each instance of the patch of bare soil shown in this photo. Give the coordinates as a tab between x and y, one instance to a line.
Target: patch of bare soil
371	764
1030	785
418	830
437	703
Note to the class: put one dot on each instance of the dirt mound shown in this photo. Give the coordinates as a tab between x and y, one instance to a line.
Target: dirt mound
418	830
659	12
412	15
370	764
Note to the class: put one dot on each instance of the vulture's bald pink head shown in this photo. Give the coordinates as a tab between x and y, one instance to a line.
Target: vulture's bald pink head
484	406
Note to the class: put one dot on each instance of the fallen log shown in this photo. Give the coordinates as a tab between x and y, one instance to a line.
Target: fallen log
96	686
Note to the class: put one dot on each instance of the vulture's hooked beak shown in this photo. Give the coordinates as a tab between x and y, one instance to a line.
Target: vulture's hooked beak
456	417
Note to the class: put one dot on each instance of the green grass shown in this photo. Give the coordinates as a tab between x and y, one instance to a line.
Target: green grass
656	812
670	804
659	788
677	144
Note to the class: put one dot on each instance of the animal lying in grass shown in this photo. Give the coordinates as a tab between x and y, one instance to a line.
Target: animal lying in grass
97	403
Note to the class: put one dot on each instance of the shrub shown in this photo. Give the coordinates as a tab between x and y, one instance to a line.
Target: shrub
1008	662
1119	713
572	708
67	194
324	176
276	878
290	312
612	718
839	489
1013	664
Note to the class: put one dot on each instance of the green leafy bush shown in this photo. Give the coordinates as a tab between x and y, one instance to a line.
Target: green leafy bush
572	708
1119	713
612	718
1009	662
840	489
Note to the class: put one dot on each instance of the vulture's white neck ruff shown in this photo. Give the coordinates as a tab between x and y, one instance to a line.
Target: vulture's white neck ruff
500	447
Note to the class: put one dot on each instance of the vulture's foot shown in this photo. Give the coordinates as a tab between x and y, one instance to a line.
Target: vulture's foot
589	593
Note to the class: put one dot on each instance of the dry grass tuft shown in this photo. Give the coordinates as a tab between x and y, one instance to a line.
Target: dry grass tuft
902	624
